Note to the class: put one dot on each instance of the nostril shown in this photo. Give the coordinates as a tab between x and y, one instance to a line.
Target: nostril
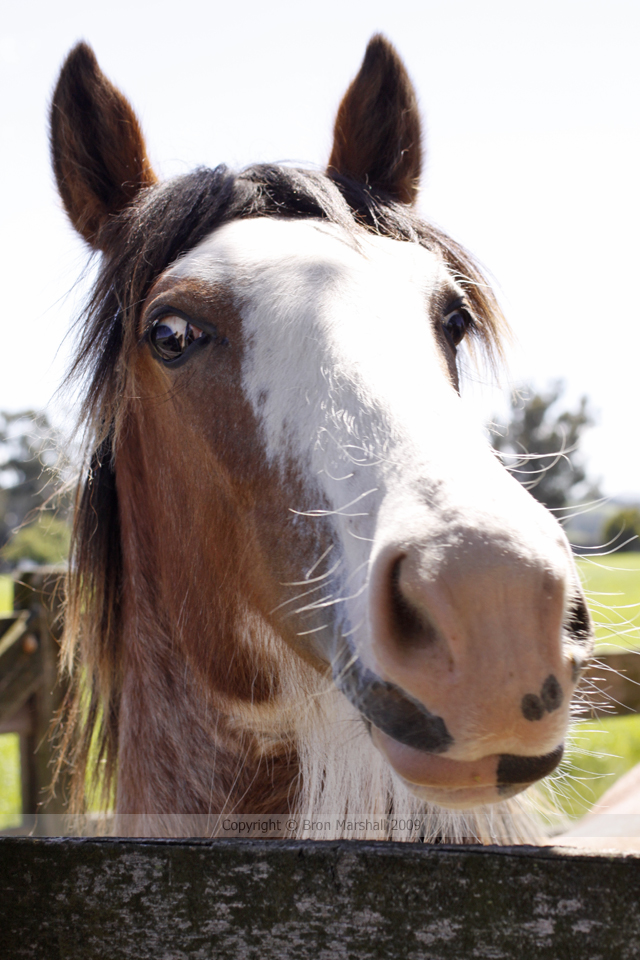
410	627
579	624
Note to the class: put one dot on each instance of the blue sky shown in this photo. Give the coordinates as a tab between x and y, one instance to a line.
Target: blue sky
533	144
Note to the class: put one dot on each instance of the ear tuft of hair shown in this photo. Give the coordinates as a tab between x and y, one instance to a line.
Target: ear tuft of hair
97	148
377	133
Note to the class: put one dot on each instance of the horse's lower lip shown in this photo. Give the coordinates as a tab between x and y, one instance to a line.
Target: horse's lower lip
433	770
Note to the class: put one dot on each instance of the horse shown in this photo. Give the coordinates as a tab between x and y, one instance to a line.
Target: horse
300	582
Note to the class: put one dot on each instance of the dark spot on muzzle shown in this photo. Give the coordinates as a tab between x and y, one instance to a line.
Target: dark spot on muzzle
532	707
551	694
519	770
389	708
551	697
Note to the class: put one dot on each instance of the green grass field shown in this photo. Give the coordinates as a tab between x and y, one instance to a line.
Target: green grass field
10	804
612	586
597	753
6	594
9	744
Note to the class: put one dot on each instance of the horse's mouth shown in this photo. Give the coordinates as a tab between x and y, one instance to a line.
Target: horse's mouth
413	740
464	783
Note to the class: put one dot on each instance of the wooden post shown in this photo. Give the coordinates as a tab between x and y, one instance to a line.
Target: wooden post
30	690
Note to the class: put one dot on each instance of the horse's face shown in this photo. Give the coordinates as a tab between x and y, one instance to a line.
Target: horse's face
316	399
290	442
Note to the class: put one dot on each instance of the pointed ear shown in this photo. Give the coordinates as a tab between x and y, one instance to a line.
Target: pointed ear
98	152
376	137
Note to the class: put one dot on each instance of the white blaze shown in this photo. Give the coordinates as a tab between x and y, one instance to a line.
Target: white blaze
344	372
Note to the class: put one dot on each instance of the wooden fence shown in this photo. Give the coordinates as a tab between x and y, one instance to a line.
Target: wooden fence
313	900
30	689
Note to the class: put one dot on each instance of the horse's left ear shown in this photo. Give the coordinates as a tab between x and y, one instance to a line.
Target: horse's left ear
377	134
98	152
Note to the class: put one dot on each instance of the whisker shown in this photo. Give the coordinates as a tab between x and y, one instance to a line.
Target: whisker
365	563
302	583
338	511
602	566
298	597
318	562
357	537
588	507
348	633
343	671
347	476
607	553
320	604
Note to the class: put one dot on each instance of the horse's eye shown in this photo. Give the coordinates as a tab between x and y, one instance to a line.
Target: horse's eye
171	335
456	324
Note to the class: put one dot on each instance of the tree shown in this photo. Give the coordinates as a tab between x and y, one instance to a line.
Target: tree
541	446
46	540
622	530
31	479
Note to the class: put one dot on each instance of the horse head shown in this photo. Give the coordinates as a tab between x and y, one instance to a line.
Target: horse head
284	482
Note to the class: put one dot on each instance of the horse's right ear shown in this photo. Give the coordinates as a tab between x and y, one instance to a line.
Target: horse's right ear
98	152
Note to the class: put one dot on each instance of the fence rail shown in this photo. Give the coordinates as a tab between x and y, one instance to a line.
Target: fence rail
242	899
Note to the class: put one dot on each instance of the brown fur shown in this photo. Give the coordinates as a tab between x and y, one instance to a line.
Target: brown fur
98	152
195	502
377	130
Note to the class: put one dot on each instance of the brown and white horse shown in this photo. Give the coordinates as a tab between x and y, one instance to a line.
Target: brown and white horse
300	581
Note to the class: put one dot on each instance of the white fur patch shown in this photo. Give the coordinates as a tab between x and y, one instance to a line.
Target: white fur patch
344	372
